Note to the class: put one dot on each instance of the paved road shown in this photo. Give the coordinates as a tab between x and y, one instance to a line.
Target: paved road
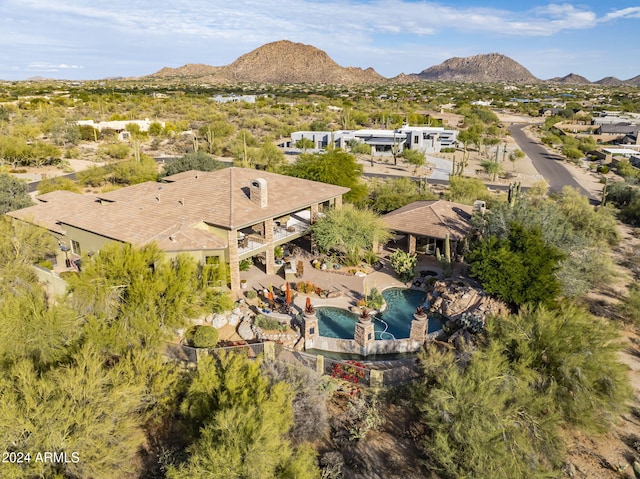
548	165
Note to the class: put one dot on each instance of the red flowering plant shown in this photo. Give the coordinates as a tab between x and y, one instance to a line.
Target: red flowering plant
350	371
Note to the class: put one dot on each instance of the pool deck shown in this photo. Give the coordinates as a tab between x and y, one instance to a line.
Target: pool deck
352	287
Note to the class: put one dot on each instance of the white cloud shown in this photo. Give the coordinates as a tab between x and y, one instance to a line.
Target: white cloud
250	20
50	67
631	12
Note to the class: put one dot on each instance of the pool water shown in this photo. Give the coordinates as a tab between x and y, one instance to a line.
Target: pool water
393	323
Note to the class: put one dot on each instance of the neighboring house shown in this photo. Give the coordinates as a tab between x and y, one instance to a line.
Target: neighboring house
625	128
235	98
220	216
120	126
427	223
425	139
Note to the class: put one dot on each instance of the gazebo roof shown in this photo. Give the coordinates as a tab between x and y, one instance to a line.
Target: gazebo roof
434	219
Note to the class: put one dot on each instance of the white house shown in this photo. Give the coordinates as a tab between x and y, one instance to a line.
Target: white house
426	139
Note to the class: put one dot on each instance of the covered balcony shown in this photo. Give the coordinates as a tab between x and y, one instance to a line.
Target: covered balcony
290	226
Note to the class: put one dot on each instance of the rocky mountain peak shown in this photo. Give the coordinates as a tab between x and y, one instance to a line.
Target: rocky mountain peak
490	67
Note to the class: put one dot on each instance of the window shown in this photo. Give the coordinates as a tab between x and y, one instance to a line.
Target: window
212	260
416	139
75	248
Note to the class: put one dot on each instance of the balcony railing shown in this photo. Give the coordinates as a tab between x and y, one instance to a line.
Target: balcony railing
250	243
282	232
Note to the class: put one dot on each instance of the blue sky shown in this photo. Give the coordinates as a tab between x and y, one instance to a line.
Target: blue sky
93	39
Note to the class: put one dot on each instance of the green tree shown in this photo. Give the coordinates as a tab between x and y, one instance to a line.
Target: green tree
413	157
133	297
83	407
514	156
575	356
491	168
198	160
351	230
271	158
466	190
13	194
241	423
518	269
93	176
132	172
391	194
335	167
580	270
304	144
597	225
482	420
32	329
22	244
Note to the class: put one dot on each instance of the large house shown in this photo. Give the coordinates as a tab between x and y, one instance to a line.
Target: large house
221	216
425	139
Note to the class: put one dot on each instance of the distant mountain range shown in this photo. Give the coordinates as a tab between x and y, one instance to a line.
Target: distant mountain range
288	62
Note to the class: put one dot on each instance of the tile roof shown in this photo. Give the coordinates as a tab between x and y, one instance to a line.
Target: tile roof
431	218
50	207
175	213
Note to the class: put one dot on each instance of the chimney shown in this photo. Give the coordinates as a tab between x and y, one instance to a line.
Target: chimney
258	192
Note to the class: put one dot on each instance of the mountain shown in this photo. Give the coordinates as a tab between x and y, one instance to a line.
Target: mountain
633	81
491	67
288	62
610	81
277	62
570	79
188	70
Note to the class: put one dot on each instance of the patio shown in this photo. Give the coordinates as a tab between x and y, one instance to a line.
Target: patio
348	288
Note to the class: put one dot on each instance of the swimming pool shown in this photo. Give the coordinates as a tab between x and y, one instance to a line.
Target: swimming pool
393	323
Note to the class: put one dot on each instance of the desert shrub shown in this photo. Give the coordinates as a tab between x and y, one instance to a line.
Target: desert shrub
604	169
630	306
309	401
117	151
375	300
251	294
264	322
218	301
68	274
45	263
403	264
363	416
246	264
57	183
202	336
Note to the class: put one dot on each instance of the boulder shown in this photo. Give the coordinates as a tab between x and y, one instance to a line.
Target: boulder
234	319
245	331
219	320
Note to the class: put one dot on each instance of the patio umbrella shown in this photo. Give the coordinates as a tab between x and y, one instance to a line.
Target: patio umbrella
270	294
288	294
